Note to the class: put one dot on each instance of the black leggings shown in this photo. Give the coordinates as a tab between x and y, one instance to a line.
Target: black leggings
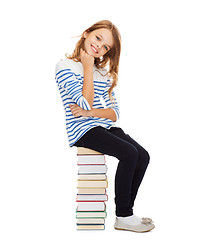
133	162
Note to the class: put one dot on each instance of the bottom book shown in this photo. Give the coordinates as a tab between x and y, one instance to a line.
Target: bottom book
90	227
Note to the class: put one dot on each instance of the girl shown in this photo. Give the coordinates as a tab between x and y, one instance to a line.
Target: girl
82	81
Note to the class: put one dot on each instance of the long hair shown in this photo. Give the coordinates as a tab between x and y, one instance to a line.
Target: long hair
112	57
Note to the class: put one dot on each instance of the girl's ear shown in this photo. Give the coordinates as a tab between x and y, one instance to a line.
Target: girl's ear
85	34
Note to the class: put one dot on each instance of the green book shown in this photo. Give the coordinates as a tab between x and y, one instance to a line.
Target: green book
92	214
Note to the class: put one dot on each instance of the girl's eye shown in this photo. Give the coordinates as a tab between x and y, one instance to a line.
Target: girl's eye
98	38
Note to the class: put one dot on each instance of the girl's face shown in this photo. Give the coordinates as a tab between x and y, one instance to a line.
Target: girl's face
98	42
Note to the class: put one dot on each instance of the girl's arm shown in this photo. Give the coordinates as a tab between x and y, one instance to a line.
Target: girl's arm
103	113
67	82
88	84
108	113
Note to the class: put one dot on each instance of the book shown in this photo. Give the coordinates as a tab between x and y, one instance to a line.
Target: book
92	214
91	206
90	221
91	190
92	184
91	197
91	159
92	177
87	151
92	169
90	227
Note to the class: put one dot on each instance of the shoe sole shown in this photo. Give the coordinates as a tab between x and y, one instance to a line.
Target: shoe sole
134	230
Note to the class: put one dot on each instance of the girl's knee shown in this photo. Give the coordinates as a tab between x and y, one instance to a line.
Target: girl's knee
147	157
128	153
131	154
144	158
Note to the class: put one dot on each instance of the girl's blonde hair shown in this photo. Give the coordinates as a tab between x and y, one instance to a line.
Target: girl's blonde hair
112	57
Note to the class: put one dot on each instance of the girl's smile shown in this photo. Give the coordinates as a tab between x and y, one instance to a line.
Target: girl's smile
94	49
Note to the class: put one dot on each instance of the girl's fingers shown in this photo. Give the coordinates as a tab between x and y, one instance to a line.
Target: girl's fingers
74	109
76	113
72	105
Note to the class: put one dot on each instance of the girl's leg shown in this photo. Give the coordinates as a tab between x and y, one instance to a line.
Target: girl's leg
142	163
101	140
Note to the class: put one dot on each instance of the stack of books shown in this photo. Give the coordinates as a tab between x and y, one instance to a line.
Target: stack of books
92	183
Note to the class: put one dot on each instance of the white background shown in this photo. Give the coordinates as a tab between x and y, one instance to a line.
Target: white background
160	98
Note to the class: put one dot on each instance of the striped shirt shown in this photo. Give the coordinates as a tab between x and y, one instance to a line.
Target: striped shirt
69	78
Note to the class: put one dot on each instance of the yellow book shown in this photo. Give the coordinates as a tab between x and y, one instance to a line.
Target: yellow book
91	190
88	151
92	184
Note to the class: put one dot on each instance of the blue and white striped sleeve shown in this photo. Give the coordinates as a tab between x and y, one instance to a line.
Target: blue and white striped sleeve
66	79
109	104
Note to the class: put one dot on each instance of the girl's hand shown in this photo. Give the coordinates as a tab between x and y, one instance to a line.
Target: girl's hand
78	111
86	59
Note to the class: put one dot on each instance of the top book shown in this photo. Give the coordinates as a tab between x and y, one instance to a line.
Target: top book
87	151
